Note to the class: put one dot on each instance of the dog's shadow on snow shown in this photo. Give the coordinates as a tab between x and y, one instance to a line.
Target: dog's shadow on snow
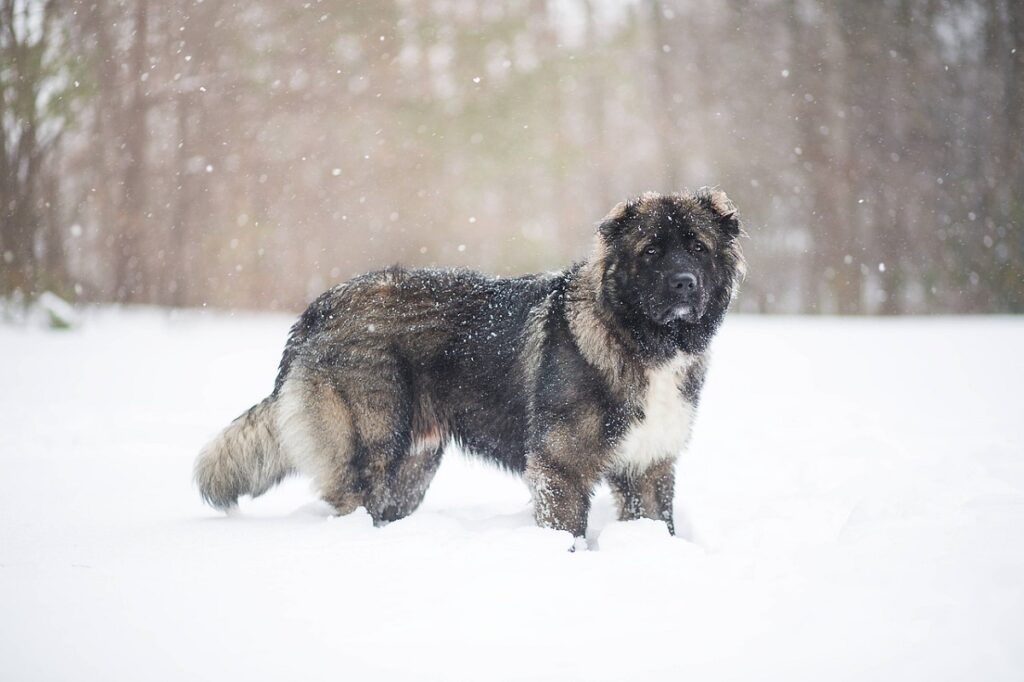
604	530
293	503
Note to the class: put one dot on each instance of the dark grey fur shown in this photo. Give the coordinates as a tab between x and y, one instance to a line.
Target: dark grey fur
569	378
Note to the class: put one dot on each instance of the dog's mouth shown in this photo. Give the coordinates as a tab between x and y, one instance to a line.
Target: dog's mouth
682	312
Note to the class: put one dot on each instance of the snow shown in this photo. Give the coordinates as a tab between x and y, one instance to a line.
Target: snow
852	507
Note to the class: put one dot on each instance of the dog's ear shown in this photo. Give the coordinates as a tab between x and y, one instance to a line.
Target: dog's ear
612	225
725	211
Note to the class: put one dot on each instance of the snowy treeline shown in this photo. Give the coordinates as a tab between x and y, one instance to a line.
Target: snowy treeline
250	153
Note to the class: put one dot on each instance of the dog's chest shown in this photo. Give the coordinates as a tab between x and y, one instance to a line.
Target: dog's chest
664	428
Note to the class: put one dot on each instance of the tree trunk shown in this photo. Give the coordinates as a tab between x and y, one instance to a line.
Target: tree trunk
596	93
891	241
664	114
183	203
835	280
21	213
1015	91
129	266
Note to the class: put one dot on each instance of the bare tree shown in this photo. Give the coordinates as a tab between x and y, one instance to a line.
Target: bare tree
662	91
34	111
250	154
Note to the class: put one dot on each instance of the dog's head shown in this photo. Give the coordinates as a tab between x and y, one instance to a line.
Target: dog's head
674	259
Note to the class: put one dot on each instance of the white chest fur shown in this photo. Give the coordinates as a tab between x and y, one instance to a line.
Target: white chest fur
664	430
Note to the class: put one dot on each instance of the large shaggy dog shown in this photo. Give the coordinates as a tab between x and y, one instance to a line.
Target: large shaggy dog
568	378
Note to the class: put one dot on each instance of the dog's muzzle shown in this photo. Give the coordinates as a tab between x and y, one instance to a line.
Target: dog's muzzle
684	298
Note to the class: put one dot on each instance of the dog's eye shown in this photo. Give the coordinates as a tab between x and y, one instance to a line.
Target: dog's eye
698	247
651	250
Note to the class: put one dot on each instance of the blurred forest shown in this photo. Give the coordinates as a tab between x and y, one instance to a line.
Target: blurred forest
251	153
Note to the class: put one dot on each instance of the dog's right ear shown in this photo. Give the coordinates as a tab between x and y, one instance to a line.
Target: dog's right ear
728	218
613	223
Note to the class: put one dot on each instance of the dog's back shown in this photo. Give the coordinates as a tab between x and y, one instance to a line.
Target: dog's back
378	375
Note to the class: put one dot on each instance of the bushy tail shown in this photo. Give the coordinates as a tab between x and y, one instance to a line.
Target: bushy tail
244	459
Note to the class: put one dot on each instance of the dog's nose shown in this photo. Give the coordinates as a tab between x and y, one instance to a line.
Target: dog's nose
683	282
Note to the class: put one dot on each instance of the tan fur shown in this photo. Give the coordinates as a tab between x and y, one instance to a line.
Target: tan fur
596	340
316	428
245	458
722	203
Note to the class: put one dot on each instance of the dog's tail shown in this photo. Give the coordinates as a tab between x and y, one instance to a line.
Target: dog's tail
244	459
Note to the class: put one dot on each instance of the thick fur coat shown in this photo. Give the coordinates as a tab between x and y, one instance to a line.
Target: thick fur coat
593	373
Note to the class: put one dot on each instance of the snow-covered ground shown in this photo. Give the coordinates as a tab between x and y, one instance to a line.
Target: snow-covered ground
852	508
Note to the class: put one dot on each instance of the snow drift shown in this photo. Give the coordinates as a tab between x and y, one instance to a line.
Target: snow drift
852	507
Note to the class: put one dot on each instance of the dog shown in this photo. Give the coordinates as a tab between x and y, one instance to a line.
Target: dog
588	374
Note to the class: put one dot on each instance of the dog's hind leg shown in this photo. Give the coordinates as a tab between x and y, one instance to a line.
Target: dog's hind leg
389	482
412	473
351	430
410	478
317	430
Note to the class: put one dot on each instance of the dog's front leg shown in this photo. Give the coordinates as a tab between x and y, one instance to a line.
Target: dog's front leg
561	496
647	494
660	481
564	465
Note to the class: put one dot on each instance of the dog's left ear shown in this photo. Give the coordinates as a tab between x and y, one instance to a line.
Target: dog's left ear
723	208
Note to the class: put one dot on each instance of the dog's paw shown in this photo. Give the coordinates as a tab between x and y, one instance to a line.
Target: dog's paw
579	545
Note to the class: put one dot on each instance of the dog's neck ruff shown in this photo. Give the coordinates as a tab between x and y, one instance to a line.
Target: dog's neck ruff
598	338
662	429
